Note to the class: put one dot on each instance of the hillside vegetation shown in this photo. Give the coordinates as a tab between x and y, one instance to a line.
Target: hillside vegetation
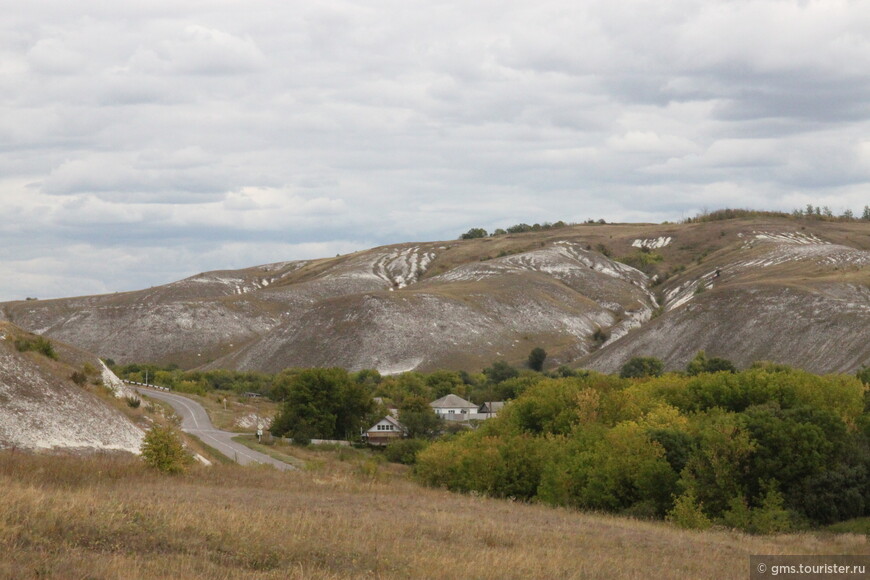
765	450
103	517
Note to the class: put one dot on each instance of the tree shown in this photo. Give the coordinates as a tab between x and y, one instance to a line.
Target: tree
500	371
642	366
866	215
418	418
474	233
322	403
537	358
702	364
163	450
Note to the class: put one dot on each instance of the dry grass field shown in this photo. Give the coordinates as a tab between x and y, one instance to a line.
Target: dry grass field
344	517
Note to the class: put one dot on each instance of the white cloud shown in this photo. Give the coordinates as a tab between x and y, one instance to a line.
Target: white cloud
182	127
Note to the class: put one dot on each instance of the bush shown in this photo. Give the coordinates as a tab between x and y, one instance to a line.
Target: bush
642	366
500	371
474	233
687	513
163	450
133	402
702	364
37	344
404	451
537	358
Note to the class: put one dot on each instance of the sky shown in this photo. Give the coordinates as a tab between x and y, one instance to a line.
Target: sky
143	142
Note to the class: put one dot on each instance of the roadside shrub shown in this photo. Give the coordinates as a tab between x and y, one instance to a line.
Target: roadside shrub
163	450
404	451
133	402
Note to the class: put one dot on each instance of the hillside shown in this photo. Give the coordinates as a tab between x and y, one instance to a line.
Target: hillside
41	407
794	291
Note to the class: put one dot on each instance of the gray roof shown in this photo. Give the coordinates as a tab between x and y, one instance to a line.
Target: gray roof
492	407
452	401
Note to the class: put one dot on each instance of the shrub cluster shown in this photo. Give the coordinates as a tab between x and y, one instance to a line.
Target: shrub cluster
36	344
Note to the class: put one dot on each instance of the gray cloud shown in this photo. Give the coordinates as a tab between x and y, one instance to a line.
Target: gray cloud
166	138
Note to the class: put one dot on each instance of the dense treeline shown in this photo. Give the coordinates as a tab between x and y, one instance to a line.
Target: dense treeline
764	450
809	212
496	383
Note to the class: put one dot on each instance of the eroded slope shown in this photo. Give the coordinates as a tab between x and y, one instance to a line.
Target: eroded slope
42	408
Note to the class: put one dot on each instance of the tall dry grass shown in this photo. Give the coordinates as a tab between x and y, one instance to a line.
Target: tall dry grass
109	517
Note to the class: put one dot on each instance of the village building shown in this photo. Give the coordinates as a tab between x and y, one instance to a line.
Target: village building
385	431
490	408
454	408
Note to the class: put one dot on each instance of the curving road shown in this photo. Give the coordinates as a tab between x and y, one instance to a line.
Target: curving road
194	420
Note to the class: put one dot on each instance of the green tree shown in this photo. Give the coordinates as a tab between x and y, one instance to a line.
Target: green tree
537	358
474	233
642	366
418	418
163	450
702	364
500	371
322	403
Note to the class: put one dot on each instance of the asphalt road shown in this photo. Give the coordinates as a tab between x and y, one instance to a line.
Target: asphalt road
194	420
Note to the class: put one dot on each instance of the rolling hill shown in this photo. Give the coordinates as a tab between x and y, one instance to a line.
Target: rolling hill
789	290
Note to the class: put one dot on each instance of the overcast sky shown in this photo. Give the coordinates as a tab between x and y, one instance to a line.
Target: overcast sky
143	142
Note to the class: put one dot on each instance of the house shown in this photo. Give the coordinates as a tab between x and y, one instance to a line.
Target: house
490	408
454	408
385	431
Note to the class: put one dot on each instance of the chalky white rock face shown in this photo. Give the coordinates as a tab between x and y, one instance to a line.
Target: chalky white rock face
463	304
560	290
779	295
653	244
42	410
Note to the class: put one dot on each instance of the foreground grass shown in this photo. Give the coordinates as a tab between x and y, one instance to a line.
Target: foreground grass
109	517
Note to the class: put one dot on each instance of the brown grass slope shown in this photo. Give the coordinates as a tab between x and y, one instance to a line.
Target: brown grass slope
42	408
110	518
790	290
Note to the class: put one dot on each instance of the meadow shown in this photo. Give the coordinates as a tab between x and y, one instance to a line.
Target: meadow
347	515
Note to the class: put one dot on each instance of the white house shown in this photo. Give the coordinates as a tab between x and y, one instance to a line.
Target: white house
454	408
